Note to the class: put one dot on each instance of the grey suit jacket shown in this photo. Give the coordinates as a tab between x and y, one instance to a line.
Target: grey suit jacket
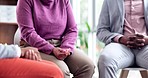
9	51
112	19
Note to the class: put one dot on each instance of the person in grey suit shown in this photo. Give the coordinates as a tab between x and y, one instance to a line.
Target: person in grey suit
123	27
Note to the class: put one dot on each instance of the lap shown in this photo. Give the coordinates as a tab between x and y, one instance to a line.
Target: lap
60	63
72	63
77	60
116	54
142	57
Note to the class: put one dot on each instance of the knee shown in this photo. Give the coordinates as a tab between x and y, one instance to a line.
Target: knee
142	61
89	67
56	72
106	60
65	70
106	63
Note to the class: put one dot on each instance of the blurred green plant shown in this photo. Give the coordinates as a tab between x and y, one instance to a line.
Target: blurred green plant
83	37
82	41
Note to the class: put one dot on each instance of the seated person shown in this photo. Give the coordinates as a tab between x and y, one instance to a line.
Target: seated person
123	27
12	66
49	25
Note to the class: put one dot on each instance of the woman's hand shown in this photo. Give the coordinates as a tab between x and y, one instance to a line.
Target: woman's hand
30	53
60	53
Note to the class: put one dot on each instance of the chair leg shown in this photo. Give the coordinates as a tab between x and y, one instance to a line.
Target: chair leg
144	73
124	73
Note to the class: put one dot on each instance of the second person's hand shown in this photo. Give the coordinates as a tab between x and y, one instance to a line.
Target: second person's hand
30	53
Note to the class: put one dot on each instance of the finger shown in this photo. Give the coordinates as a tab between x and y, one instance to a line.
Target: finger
61	53
140	45
38	56
129	46
67	52
140	41
139	36
30	54
59	49
33	57
130	43
27	54
131	38
62	50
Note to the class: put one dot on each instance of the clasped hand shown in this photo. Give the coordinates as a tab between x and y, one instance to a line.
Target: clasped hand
134	41
60	53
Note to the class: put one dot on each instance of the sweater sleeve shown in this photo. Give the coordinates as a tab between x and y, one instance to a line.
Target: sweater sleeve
9	51
70	35
26	25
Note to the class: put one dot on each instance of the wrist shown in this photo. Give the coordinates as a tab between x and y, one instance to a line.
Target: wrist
123	40
146	40
18	51
119	40
116	38
22	52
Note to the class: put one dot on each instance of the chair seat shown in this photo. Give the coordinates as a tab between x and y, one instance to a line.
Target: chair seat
125	71
140	69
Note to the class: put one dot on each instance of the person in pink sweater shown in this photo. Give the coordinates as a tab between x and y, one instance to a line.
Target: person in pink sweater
16	62
49	25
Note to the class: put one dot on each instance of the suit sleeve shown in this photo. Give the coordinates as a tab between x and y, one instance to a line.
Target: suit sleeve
104	32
